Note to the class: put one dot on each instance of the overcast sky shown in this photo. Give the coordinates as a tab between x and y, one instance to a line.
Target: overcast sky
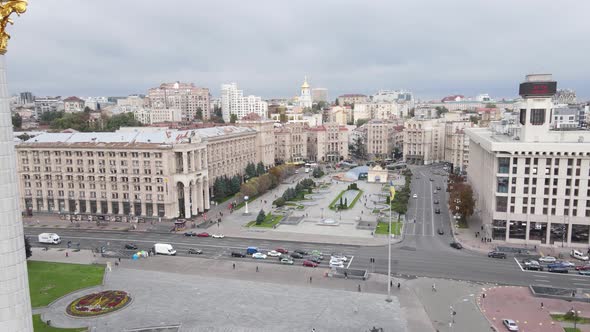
433	48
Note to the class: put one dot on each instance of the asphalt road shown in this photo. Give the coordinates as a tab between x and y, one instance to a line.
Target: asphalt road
423	252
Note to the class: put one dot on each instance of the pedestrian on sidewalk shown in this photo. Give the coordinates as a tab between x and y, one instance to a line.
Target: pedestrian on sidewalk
310	279
67	254
119	259
542	305
391	283
234	266
398	285
256	268
434	287
359	287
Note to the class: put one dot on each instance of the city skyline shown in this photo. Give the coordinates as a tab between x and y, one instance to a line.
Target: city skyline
476	49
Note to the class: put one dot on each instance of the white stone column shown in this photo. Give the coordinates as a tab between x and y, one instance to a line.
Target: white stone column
187	202
206	189
200	202
184	163
195	199
15	303
548	234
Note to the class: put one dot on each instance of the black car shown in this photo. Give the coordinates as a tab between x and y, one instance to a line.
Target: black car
296	254
431	179
438	188
130	246
456	245
437	211
441	231
300	251
190	234
192	251
238	254
436	201
496	254
315	259
559	269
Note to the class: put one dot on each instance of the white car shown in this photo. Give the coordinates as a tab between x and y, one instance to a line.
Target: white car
578	255
259	255
218	236
337	264
274	253
415	196
547	259
510	324
339	257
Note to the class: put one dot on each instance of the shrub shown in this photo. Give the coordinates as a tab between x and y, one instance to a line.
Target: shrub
260	218
279	202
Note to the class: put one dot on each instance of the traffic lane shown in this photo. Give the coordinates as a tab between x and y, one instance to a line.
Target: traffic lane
95	239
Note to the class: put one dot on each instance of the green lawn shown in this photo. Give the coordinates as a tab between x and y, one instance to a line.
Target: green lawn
562	318
48	281
269	222
396	228
40	326
571	329
336	200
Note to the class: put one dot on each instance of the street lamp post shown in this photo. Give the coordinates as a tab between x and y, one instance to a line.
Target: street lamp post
389	258
246	200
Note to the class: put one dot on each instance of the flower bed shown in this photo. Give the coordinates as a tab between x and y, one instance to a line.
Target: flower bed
97	304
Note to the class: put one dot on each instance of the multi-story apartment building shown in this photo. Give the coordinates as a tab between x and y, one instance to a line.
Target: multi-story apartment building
184	96
565	118
380	138
229	150
351	99
47	104
291	142
265	138
327	143
564	96
392	96
423	141
340	115
129	173
457	144
150	116
26	98
73	104
531	184
234	102
130	104
376	110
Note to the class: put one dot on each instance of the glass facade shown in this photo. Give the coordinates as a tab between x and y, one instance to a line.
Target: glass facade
503	165
517	230
580	233
538	231
499	230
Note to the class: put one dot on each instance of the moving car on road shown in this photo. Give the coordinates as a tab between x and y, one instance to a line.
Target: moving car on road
130	246
190	233
547	259
274	253
317	253
309	263
259	255
578	255
510	324
415	196
315	259
437	211
286	261
204	234
192	251
300	251
436	201
296	255
496	254
339	257
238	254
584	272
583	268
456	245
218	236
282	250
440	231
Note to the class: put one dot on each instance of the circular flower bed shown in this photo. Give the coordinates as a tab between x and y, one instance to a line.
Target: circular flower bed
96	304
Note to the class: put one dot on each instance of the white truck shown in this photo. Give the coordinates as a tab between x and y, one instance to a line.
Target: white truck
50	238
164	249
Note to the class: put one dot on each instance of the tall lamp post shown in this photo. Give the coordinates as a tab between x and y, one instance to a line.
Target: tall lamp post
391	197
246	200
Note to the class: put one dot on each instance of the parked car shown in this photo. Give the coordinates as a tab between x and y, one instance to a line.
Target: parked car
238	254
339	256
440	231
547	259
300	251
336	261
496	254
315	259
584	272
438	187
557	265
582	268
218	236
286	261
282	250
274	253
560	269
190	233
436	201
533	266
437	211
130	246
192	251
567	264
296	255
415	196
259	255
431	179
510	324
309	263
578	255
456	245
317	253
337	264
204	234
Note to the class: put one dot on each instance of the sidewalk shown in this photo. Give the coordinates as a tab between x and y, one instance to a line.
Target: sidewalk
518	304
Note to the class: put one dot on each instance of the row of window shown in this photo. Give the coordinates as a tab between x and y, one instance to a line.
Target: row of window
92	194
92	154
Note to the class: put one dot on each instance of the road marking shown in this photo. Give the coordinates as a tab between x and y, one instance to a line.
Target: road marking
542	280
349	262
432	208
517	262
577	283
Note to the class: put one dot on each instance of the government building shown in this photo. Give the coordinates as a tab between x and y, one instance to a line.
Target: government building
532	184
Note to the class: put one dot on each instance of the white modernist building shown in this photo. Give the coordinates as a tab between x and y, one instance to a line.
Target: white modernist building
148	116
531	184
234	102
15	303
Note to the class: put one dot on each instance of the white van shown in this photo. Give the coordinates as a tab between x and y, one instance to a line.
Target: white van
50	238
578	255
164	249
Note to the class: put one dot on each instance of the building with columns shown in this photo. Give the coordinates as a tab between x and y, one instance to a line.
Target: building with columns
291	142
531	184
131	173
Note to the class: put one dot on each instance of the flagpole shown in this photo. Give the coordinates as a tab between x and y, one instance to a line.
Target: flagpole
391	196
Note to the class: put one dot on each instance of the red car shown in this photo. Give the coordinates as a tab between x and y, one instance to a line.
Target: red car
204	234
282	250
583	267
310	264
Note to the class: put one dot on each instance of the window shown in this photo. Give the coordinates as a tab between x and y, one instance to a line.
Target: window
503	165
522	116
501	204
537	116
502	185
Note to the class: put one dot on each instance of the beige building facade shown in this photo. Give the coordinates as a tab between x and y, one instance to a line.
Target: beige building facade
184	96
457	144
148	116
423	141
291	142
380	138
123	175
327	143
73	104
265	140
351	99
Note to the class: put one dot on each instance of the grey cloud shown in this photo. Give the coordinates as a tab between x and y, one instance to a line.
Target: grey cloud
435	48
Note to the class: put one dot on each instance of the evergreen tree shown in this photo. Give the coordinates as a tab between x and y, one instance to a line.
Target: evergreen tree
251	170
28	250
235	184
260	169
260	218
199	115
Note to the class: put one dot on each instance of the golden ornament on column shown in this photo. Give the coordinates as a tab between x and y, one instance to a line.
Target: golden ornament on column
6	9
